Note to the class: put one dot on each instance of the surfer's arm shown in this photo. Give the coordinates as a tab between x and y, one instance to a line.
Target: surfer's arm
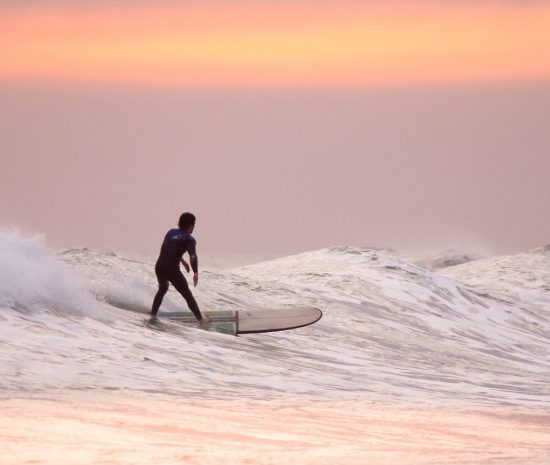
193	259
191	248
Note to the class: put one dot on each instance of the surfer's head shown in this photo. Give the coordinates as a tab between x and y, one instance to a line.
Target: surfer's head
187	220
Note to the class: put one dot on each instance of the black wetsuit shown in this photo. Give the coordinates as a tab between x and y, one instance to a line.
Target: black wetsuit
176	243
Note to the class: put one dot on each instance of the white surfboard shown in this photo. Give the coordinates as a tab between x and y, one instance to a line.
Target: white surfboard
253	321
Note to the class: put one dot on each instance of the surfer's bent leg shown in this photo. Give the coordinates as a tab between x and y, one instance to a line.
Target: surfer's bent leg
182	287
163	289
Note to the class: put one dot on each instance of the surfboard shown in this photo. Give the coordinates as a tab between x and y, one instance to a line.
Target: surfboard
252	321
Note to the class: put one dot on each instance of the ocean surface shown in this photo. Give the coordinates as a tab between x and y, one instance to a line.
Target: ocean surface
415	353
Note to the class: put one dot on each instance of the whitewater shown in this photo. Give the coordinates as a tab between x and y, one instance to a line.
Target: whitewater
417	359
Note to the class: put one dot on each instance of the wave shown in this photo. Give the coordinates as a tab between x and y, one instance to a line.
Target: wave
31	278
476	333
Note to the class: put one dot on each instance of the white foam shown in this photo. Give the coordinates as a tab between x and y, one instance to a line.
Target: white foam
32	278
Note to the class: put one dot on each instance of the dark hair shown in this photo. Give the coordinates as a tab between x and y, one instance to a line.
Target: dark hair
186	220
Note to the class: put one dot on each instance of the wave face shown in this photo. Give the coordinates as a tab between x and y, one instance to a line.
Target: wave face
476	334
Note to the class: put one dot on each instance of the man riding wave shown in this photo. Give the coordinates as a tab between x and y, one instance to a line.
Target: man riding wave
176	243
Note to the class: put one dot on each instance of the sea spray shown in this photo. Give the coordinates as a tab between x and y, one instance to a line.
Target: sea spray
31	278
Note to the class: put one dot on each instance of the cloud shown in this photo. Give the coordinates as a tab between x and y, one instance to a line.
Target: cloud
245	43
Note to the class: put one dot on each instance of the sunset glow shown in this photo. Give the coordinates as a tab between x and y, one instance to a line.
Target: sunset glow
128	429
246	43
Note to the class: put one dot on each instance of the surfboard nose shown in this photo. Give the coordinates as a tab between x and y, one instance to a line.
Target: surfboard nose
276	319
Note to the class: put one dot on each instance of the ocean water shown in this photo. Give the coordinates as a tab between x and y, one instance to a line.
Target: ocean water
414	354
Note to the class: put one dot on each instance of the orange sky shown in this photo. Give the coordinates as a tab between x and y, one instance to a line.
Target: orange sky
257	43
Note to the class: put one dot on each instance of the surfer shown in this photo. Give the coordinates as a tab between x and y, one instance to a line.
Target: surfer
176	243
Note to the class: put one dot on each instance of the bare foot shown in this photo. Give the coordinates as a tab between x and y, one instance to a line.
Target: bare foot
205	320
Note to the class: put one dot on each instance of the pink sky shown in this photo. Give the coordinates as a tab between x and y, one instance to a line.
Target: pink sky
411	143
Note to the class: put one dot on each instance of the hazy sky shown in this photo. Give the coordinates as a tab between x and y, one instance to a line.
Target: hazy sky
284	126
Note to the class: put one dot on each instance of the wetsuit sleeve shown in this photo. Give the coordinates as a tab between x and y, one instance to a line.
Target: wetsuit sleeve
193	260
